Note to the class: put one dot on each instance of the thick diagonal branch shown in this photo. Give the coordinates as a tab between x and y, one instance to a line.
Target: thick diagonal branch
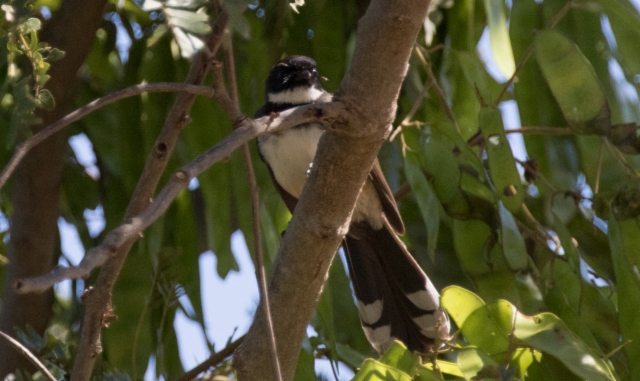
346	152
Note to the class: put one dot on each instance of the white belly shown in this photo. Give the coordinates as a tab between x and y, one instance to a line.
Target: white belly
290	154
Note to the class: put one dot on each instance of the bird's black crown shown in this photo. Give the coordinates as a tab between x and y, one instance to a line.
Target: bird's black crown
293	72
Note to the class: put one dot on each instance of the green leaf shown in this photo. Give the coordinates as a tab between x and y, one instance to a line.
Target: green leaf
624	237
484	326
189	21
512	241
547	333
428	203
12	47
504	173
31	25
473	70
499	36
55	54
570	251
399	357
45	100
443	166
445	367
476	365
305	369
625	24
372	370
350	356
573	82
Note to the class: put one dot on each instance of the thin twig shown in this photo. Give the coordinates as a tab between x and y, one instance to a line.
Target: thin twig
416	106
537	173
255	213
22	149
478	139
441	96
30	356
596	186
619	157
98	298
538	130
213	360
616	349
529	52
403	191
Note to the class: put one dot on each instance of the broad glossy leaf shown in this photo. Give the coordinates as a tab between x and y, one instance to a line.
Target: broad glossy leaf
547	333
573	82
445	367
482	259
372	370
475	364
485	326
399	357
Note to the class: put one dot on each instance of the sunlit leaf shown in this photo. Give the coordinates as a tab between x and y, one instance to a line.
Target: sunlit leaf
372	370
399	357
499	36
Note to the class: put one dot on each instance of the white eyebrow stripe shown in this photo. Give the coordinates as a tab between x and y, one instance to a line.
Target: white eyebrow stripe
297	95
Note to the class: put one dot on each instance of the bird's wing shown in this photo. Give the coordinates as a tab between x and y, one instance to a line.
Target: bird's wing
389	206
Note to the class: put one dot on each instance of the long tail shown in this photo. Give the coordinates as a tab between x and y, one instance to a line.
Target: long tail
396	300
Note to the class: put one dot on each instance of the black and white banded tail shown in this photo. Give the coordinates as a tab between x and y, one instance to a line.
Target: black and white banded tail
396	300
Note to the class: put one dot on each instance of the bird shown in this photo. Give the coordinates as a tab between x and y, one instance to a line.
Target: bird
395	298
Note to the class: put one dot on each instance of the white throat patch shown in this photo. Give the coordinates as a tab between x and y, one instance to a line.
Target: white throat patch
297	95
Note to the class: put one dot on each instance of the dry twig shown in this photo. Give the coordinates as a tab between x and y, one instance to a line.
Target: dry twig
30	356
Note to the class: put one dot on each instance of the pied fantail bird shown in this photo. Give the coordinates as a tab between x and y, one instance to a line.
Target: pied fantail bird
396	300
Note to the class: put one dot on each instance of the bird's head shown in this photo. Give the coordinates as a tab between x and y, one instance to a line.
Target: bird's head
294	80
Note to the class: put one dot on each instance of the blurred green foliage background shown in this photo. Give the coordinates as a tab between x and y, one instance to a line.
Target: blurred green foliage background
515	153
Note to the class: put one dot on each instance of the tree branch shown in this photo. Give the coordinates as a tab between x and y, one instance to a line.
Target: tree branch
213	360
346	152
35	193
98	298
30	356
248	129
255	214
23	148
